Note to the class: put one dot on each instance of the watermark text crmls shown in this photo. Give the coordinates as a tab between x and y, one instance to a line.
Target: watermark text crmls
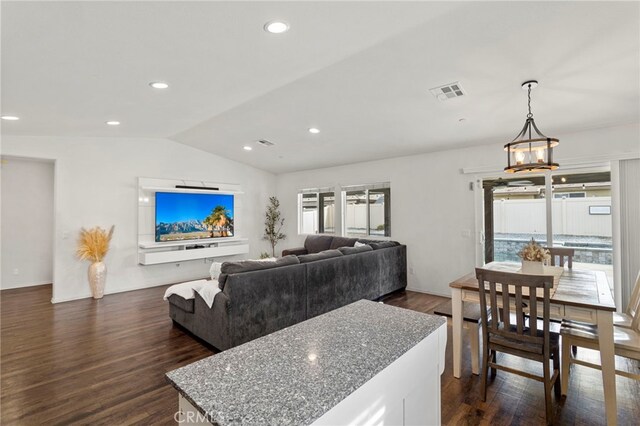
190	417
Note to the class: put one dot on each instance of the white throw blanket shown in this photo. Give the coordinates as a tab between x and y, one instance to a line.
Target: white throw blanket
208	292
206	289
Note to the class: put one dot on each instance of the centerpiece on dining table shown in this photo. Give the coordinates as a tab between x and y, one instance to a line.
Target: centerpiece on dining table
534	257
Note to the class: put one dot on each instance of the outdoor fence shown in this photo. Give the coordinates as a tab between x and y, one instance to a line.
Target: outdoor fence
574	225
571	216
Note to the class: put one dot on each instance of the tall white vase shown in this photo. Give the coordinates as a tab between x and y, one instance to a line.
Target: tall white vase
97	279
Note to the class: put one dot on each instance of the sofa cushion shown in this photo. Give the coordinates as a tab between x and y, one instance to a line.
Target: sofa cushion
252	265
378	244
295	251
384	244
338	242
317	243
326	254
182	303
353	250
222	278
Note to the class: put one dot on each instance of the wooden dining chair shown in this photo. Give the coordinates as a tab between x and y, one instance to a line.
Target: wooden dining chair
530	342
563	255
473	320
626	344
625	318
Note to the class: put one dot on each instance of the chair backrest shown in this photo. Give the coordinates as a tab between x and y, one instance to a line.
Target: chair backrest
514	283
634	305
561	253
634	300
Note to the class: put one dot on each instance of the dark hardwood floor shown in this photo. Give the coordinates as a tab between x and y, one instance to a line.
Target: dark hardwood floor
103	362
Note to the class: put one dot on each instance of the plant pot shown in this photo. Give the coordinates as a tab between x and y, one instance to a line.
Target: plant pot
532	267
97	279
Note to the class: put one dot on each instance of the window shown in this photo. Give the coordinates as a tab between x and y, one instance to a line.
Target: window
316	211
309	214
367	211
326	214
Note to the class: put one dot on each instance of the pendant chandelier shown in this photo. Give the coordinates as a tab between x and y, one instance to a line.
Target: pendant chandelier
529	151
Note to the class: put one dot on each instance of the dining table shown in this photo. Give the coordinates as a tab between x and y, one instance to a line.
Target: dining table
577	294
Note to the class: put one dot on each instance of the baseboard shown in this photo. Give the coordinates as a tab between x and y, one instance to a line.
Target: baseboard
26	286
116	291
432	293
69	299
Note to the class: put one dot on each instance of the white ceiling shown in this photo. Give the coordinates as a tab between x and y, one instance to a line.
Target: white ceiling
359	71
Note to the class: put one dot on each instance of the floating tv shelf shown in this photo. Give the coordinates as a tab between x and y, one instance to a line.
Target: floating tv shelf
208	242
181	254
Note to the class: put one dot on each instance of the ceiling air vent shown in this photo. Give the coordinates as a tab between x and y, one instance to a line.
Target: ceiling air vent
448	91
265	142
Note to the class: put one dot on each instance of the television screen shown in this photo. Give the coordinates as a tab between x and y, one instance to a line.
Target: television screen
190	216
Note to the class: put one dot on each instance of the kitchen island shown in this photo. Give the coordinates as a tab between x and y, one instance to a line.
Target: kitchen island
363	363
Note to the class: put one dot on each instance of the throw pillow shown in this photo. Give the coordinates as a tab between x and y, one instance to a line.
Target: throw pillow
383	244
338	242
353	250
214	271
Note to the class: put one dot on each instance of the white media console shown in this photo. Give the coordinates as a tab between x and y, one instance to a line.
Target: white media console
151	252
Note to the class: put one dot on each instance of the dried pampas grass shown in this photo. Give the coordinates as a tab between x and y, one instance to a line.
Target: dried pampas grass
93	243
533	252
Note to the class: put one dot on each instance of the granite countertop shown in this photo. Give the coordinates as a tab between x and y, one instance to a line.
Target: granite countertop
297	374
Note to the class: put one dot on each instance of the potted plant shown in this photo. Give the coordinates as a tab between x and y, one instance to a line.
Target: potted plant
533	258
93	245
273	223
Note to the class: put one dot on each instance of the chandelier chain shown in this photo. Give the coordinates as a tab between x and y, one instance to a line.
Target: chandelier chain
529	115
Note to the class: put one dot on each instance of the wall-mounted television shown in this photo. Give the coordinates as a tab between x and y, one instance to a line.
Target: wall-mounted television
193	216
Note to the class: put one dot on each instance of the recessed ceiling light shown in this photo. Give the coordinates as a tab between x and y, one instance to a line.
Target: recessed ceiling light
276	27
10	117
113	123
247	148
314	130
159	85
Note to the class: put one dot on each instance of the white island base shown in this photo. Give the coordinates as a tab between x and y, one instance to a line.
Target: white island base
407	392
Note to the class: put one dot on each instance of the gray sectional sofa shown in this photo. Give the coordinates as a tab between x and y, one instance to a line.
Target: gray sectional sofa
260	297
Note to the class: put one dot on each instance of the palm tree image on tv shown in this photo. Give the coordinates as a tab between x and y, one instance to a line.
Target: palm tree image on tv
183	216
219	223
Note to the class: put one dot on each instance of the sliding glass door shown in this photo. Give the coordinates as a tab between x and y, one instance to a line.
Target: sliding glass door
579	209
518	215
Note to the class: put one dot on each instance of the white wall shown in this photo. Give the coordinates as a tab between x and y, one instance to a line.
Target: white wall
27	223
432	209
96	185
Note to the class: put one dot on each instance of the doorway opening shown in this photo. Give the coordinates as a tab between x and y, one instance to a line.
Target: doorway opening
27	222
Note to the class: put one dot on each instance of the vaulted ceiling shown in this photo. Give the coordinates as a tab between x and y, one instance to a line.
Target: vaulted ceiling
358	71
